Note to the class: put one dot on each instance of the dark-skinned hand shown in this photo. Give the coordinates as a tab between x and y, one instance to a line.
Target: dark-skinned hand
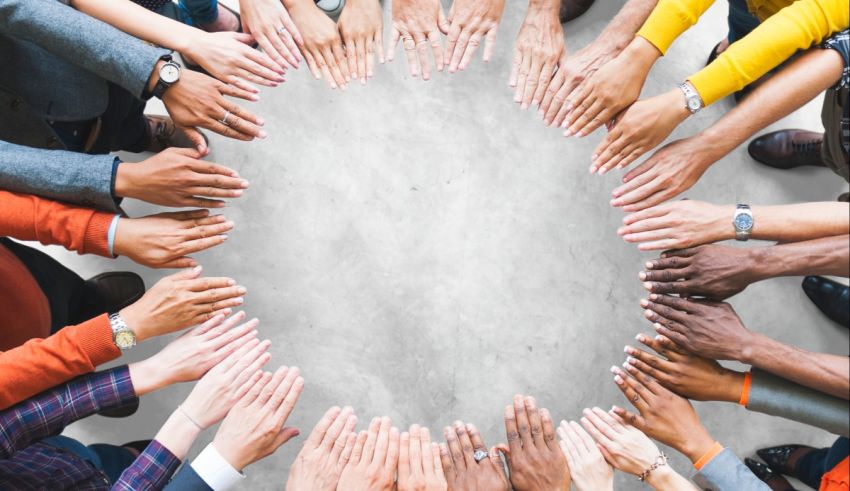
712	329
462	472
535	459
711	271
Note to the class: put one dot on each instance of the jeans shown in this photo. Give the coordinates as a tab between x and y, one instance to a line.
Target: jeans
740	20
71	299
198	11
812	466
112	460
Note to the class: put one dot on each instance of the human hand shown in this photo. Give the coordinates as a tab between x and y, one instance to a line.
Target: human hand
470	22
712	329
325	453
663	416
165	240
713	271
374	459
361	25
572	71
179	301
253	429
419	467
272	27
686	374
588	468
535	460
669	172
623	446
678	225
225	384
418	23
638	129
462	472
612	88
322	46
229	57
176	177
197	101
539	47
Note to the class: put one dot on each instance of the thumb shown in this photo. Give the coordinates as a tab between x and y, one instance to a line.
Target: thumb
244	37
286	434
197	139
188	274
443	23
495	459
186	152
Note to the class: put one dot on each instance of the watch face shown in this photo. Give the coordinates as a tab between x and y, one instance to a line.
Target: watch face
169	73
743	222
693	104
125	339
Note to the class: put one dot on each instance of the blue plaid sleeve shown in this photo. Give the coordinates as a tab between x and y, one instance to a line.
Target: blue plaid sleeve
151	470
51	411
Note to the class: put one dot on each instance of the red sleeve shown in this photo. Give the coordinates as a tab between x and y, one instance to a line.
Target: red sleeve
27	217
40	364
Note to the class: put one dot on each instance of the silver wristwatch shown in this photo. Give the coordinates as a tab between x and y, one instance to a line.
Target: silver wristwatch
122	335
743	222
693	101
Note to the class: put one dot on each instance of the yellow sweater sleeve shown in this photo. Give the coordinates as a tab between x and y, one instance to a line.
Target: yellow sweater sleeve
669	19
797	26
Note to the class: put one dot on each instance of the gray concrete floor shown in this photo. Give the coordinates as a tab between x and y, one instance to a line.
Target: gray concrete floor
426	250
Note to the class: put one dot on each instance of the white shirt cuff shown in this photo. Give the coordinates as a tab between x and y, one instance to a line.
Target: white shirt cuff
215	470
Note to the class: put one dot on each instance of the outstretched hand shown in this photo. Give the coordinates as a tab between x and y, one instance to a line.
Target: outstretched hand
361	25
535	459
419	25
471	22
540	46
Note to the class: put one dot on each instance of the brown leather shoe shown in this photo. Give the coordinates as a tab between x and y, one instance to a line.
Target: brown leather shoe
786	149
117	289
165	134
570	9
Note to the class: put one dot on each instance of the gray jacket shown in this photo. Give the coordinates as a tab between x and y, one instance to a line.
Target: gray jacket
726	472
76	178
57	64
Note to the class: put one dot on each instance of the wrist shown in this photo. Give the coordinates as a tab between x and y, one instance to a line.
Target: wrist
661	478
642	52
545	6
177	434
154	77
752	347
696	445
136	321
147	376
229	451
124	180
297	4
723	227
732	383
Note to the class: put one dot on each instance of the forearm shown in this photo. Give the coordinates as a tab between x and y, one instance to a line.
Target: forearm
178	434
812	73
827	373
825	256
799	222
665	478
623	27
549	6
141	23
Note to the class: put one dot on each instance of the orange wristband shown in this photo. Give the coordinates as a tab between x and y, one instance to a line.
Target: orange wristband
706	458
745	392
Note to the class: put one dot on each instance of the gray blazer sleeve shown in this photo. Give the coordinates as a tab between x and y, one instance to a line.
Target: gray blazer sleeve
726	472
777	396
82	40
76	178
187	480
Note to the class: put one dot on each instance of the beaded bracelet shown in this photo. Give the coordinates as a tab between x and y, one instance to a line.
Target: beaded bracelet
659	461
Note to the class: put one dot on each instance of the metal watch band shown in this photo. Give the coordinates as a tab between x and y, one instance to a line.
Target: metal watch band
693	101
120	328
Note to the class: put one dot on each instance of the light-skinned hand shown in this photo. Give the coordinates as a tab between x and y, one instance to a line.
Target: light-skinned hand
471	22
254	428
322	46
229	57
179	301
419	24
683	373
535	459
462	472
638	129
374	459
167	239
539	47
419	467
588	468
198	101
611	89
625	447
177	177
272	27
361	25
713	271
678	225
225	384
325	453
712	329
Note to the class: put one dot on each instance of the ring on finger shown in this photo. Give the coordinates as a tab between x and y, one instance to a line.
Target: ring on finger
224	119
281	30
480	454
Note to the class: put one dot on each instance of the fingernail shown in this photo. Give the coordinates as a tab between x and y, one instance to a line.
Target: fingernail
524	105
534	103
618	380
640	337
648	265
647	285
239	301
642	275
568	133
231	282
613	369
198	268
631	360
647	314
242	290
261	121
244	183
580	134
223	236
262	135
653	296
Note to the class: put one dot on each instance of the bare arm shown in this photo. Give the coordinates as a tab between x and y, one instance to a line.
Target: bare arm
825	256
804	221
623	27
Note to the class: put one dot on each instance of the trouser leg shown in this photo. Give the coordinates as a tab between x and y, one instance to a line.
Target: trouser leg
812	466
833	152
740	20
123	125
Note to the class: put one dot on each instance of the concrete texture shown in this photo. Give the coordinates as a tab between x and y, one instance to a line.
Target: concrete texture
426	250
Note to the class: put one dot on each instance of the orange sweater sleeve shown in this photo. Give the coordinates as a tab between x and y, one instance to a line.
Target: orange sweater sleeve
27	217
40	364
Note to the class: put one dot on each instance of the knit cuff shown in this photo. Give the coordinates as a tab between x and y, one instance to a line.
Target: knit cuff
745	392
95	338
96	239
714	451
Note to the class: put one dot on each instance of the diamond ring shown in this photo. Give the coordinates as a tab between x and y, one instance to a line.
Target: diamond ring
480	455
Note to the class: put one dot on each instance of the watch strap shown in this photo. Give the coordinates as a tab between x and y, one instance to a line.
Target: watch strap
161	86
119	326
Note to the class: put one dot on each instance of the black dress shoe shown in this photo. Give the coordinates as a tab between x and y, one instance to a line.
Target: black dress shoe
120	412
787	149
570	9
775	481
117	289
138	445
831	297
777	457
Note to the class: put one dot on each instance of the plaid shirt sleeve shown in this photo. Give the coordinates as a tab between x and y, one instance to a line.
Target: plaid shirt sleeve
51	411
151	470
